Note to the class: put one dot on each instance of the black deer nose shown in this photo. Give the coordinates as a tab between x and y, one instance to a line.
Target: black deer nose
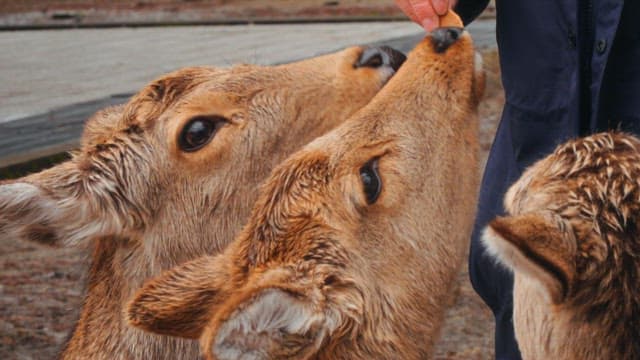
443	37
376	57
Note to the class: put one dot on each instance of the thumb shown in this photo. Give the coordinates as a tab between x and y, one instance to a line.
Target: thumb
425	14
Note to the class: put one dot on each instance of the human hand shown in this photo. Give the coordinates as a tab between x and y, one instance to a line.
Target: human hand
426	13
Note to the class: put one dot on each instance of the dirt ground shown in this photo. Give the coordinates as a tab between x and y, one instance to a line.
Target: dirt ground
41	288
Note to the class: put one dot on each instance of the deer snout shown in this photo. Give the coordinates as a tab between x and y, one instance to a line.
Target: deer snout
444	37
380	56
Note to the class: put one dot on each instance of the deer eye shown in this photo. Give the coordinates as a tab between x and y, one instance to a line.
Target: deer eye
199	131
371	183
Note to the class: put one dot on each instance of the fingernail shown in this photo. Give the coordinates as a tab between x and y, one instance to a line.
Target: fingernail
429	24
441	7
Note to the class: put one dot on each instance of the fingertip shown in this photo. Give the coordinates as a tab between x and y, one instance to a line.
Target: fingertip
430	24
423	9
440	6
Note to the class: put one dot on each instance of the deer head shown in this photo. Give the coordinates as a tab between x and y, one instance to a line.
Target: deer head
354	241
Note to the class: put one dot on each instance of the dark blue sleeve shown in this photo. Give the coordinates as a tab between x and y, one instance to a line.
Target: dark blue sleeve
469	10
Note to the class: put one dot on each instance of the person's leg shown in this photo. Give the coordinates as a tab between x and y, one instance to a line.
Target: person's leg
492	282
619	102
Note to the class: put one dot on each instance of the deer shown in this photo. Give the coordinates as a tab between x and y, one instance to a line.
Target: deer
172	174
570	236
354	243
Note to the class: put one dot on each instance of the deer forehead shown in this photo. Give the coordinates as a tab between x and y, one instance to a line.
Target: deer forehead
222	91
593	183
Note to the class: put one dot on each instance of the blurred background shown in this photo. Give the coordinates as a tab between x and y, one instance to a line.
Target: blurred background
131	12
62	60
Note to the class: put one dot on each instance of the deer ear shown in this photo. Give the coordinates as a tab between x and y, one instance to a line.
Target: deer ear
88	196
181	301
274	322
48	207
480	78
537	246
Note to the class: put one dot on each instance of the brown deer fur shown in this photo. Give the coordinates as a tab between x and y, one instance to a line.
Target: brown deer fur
572	240
143	205
318	272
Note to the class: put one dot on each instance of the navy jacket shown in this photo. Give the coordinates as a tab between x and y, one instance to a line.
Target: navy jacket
569	68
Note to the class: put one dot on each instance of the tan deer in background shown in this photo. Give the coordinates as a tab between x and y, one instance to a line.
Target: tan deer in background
355	242
572	239
173	174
